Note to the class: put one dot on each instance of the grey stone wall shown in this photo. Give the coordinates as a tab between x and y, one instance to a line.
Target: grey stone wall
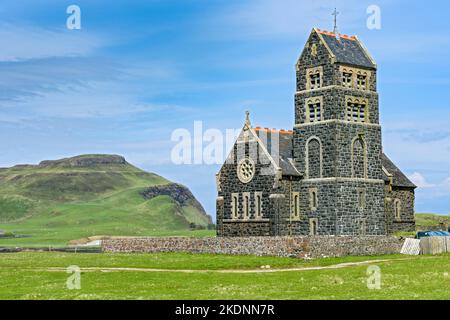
337	210
300	247
246	228
336	139
406	223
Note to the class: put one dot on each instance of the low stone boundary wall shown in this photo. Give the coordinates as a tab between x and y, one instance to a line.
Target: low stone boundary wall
298	246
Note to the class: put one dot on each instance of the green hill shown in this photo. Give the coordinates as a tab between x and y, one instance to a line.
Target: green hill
61	200
427	221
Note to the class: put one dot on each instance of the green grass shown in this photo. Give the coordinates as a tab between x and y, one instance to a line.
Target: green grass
59	202
26	276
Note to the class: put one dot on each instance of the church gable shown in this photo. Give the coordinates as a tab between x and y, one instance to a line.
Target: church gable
249	152
270	150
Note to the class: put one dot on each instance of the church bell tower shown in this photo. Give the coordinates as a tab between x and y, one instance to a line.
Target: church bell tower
337	136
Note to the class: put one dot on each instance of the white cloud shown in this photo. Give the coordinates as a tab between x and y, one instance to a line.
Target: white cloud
418	145
31	42
446	182
80	87
420	181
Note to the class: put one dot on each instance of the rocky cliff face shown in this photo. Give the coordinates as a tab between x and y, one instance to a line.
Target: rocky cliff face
182	195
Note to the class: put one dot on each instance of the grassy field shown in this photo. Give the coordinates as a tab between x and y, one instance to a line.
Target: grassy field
60	201
32	275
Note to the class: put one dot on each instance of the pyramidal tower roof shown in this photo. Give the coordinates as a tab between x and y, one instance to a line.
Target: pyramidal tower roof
346	49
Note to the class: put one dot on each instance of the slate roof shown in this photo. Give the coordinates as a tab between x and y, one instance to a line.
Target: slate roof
348	50
398	178
285	153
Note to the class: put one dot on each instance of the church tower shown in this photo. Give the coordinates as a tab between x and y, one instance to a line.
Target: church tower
337	137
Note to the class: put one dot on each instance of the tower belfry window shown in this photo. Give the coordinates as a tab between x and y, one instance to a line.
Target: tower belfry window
347	79
314	111
314	80
355	78
315	114
361	82
356	110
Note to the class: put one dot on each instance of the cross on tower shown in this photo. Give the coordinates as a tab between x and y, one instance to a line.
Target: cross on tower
335	29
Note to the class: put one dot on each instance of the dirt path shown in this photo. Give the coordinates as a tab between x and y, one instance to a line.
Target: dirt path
335	266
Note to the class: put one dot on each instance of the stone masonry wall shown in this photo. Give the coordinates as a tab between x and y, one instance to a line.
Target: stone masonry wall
406	223
298	246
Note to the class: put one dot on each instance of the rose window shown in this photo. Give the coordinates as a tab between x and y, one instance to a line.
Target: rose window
246	170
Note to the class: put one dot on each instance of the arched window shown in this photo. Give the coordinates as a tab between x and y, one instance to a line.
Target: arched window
356	110
295	205
361	199
313	226
361	80
234	205
258	203
398	209
359	158
362	227
313	158
313	201
246	205
314	109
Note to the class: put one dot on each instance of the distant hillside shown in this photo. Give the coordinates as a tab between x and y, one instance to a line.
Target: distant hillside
91	195
429	221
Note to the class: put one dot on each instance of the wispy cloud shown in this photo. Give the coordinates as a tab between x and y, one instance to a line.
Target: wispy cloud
447	182
291	18
425	136
21	79
419	180
31	42
431	197
96	100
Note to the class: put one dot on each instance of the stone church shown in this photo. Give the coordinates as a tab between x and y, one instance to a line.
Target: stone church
327	176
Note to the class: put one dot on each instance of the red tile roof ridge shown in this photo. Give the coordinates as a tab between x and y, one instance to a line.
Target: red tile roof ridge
274	130
332	34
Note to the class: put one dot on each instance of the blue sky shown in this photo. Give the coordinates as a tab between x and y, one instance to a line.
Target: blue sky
137	70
